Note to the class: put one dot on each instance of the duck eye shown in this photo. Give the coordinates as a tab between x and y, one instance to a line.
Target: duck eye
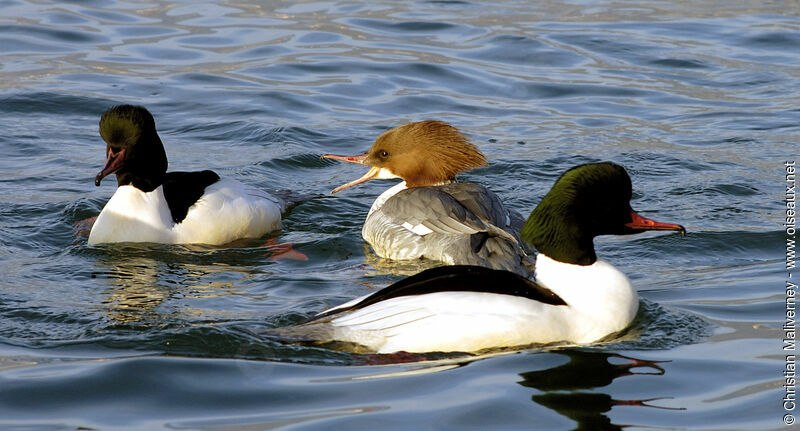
384	154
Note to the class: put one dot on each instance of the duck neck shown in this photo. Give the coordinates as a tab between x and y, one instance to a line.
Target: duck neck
145	166
144	183
559	237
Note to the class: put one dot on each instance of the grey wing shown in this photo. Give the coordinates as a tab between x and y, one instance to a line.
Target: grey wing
435	209
453	223
485	204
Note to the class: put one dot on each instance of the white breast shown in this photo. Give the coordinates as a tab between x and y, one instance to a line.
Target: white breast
132	215
601	299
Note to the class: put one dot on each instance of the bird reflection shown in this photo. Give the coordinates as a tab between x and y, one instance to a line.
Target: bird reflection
134	290
405	268
143	280
565	387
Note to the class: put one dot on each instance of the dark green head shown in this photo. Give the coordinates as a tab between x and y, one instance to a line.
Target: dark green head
586	201
134	151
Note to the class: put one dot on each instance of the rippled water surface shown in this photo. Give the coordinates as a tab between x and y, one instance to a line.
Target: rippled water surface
699	100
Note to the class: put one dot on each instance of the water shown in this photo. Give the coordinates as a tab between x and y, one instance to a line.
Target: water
697	99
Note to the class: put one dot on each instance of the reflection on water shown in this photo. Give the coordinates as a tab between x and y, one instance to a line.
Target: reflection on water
138	287
578	389
382	266
566	387
134	290
587	369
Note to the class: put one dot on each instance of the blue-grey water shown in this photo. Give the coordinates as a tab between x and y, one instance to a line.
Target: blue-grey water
699	100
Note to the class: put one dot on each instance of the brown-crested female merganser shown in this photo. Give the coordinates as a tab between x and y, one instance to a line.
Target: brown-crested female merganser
153	205
429	215
576	298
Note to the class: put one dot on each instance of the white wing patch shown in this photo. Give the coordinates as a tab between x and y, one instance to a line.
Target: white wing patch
419	229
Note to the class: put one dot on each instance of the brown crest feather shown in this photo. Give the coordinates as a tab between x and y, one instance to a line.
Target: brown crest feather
425	153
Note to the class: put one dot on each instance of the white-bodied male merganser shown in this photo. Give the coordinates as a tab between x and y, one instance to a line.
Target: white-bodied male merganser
429	215
152	205
576	297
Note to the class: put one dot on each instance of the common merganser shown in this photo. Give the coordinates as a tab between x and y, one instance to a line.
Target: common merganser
576	298
430	215
151	205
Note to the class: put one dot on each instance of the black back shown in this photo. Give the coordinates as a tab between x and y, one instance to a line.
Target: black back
183	189
459	278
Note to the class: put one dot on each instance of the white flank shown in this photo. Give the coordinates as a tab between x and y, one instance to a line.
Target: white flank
452	321
228	210
600	301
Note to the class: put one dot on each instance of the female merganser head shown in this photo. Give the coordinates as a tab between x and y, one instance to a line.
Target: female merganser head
576	297
429	215
424	153
151	205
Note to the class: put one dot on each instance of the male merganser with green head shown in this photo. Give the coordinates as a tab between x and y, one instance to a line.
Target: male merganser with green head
576	297
153	205
429	215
